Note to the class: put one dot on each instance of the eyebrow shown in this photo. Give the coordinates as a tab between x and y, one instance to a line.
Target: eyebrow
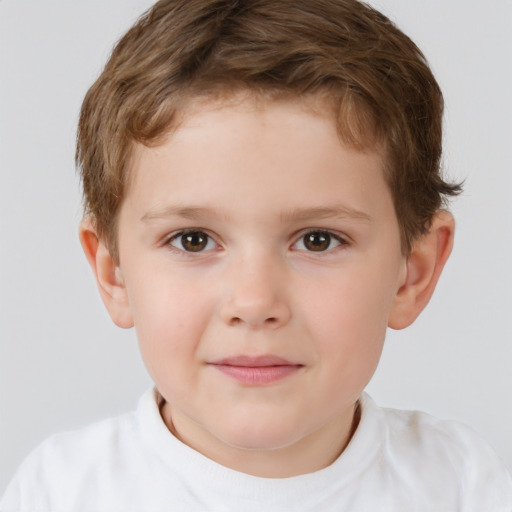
185	212
196	213
327	212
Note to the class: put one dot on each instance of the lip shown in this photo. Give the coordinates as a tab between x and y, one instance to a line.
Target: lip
256	371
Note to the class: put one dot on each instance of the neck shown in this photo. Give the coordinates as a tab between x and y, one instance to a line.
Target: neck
312	452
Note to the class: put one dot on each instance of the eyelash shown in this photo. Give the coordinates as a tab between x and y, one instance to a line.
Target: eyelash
329	236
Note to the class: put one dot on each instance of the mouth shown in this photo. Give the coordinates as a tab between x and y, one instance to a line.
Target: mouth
256	371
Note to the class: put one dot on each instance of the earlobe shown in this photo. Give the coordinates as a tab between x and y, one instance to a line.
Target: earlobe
108	275
424	266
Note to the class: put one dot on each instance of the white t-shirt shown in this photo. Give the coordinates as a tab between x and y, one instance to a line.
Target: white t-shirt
397	461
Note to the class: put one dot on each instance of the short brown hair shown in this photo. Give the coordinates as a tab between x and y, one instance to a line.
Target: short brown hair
378	81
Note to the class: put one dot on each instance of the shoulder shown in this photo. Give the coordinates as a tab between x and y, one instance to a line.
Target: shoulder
447	455
67	463
442	438
88	445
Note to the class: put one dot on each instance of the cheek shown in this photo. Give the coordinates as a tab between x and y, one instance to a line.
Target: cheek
170	326
349	320
356	301
170	317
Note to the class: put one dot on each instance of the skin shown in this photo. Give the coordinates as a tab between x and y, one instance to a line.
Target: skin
259	185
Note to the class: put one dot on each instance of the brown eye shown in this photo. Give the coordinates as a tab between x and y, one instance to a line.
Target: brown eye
192	241
317	241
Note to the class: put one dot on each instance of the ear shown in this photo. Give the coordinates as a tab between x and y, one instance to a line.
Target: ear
108	275
423	268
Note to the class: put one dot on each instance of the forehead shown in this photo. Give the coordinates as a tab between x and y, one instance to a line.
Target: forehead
249	155
352	123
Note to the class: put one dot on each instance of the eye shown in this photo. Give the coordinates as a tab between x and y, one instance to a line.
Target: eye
192	241
318	241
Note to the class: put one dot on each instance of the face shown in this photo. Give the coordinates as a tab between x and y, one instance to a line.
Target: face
261	259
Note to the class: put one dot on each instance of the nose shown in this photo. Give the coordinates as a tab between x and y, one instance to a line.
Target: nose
256	294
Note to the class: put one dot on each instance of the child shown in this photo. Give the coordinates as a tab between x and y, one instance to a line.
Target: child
263	199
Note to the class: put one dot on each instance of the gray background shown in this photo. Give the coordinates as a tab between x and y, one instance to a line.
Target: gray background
63	364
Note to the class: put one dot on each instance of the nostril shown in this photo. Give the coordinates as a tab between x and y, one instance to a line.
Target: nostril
268	321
